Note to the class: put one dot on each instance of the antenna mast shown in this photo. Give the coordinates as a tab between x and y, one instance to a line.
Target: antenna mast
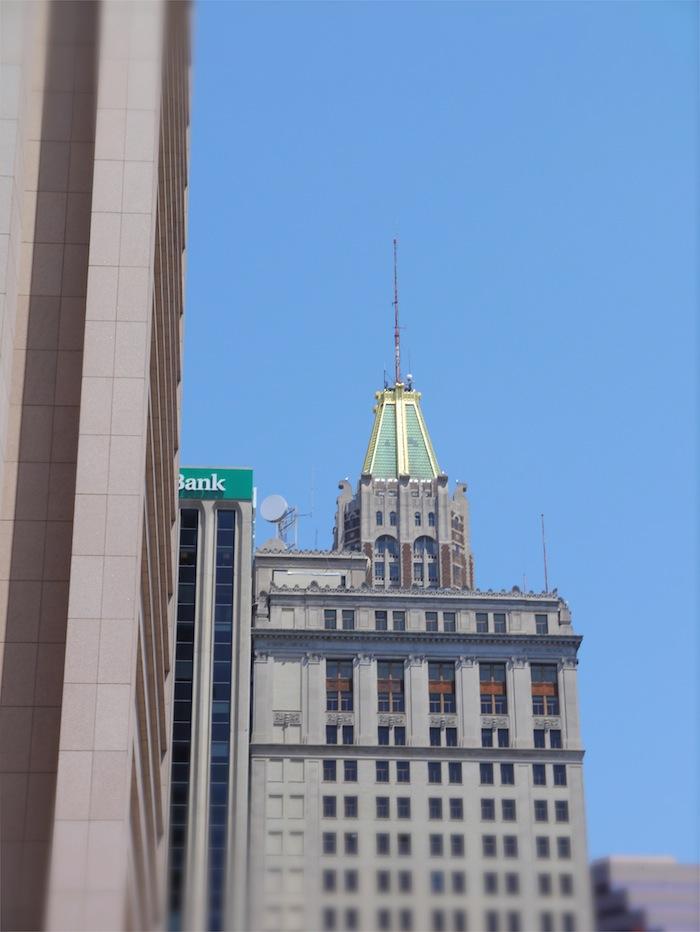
544	556
397	338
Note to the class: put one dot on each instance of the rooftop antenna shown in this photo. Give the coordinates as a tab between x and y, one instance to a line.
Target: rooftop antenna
544	555
397	338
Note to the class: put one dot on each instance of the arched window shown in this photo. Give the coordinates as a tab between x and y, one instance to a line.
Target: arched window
380	518
417	519
431	519
386	561
392	518
425	567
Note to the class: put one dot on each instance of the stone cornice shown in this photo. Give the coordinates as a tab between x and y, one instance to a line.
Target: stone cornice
365	594
414	753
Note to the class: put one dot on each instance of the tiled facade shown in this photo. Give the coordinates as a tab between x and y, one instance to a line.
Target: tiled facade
93	168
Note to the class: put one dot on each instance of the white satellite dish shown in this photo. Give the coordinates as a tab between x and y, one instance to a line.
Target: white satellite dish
273	508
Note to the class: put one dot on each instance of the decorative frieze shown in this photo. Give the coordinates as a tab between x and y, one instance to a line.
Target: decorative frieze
443	721
391	720
466	662
490	722
546	723
340	718
286	718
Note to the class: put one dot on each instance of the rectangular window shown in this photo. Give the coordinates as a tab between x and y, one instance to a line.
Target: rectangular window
566	884
431	618
492	686
383	735
482	623
329	920
398	619
499	622
405	920
418	572
351	843
390	688
437	882
538	738
449	623
490	882
545	689
379	574
488	846
559	774
541	813
403	771
383	920
351	881
399	735
394	574
563	847
330	619
435	737
539	775
546	922
435	845
403	843
544	884
568	922
487	737
555	738
350	807
434	772
329	807
339	685
329	881
492	924
438	920
508	810
485	773
503	738
331	734
510	846
561	810
383	881
350	771
328	839
348	619
488	810
383	844
329	771
380	618
512	884
351	920
451	737
507	775
403	807
456	809
382	803
459	920
454	770
513	922
434	807
382	771
542	846
541	626
405	881
459	882
348	733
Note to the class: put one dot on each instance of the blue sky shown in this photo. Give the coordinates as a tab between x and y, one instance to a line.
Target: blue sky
538	162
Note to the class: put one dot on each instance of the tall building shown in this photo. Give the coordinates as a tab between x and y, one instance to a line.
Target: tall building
209	802
415	754
93	180
645	894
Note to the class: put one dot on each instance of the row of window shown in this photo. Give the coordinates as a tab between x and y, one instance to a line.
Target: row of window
393	518
403	920
440	737
486	623
350	808
387	881
437	848
454	772
441	687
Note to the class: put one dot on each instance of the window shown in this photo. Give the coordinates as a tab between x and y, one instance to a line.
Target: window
487	737
380	621
561	810
441	687
351	920
329	807
539	775
383	735
507	775
456	809
329	842
329	771
490	882
492	684
559	774
545	690
382	803
434	807
508	810
379	518
510	846
383	881
488	846
351	881
438	920
390	685
568	922
351	842
392	518
405	920
482	623
546	922
459	882
449	622
403	807
541	813
454	770
383	844
399	735
383	920
350	771
451	737
499	622
348	619
544	884
555	738
485	773
418	572
382	771
513	920
431	621
405	881
339	685
329	919
398	621
403	842
512	882
492	922
348	733
437	882
331	734
329	619
417	519
434	772
503	738
488	810
350	807
435	737
403	771
329	881
386	553
566	884
435	845
457	846
542	846
541	626
538	737
563	847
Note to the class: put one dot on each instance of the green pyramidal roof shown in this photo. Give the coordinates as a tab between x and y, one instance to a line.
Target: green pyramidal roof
400	444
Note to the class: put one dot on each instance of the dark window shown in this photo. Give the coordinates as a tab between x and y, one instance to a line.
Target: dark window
403	807
545	690
382	803
350	771
485	773
348	619
459	882
431	519
488	810
438	920
392	518
380	621
449	623
383	735
561	810
329	919
350	803
379	518
417	519
510	846
403	771
513	922
487	737
351	920
542	846
566	884
541	626
538	737
492	684
546	922
441	687
351	881
383	920
405	920
329	881
544	884
383	845
382	768
383	881
490	882
436	845
398	621
507	775
512	883
330	619
454	770
456	809
329	844
399	735
405	881
568	922
555	738
435	737
403	842
488	846
559	774
431	621
351	842
329	807
541	813
329	770
339	685
482	622
390	685
348	733
508	810
437	882
451	737
503	738
434	807
499	622
539	775
492	922
563	847
434	772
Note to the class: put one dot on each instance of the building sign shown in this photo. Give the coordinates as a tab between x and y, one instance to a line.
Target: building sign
210	483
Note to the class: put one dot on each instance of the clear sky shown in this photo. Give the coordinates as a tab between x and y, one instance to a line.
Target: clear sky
538	162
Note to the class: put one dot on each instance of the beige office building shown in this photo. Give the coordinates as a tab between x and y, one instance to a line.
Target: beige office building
94	104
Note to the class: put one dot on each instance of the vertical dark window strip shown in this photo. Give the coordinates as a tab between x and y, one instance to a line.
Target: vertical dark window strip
220	753
182	712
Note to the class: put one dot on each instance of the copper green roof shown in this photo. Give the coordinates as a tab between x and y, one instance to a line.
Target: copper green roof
400	444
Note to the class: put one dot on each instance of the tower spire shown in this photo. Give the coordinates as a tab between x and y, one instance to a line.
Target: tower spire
397	336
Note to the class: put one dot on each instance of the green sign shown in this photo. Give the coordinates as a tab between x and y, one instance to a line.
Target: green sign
228	484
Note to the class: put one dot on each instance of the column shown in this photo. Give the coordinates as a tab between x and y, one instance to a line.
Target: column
568	701
468	702
519	703
416	689
365	686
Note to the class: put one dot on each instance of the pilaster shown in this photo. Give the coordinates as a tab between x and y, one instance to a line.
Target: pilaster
416	688
262	698
467	700
313	704
519	702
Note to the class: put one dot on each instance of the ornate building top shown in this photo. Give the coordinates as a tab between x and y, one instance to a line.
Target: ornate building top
400	444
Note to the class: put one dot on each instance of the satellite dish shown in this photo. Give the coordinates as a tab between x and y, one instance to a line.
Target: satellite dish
273	507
